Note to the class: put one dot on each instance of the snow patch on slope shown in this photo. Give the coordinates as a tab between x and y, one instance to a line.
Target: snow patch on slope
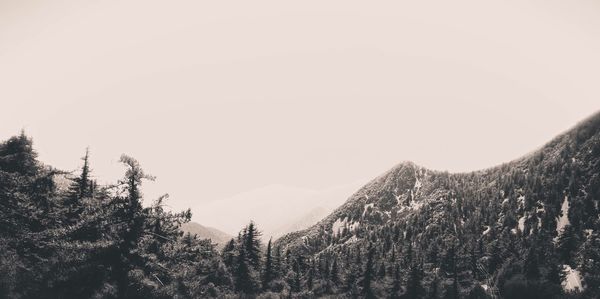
563	220
339	225
418	183
486	231
572	279
521	201
367	206
522	223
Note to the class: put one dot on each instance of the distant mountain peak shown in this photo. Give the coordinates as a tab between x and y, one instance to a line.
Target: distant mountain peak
206	232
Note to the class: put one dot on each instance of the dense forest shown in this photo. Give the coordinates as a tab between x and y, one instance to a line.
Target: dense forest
526	229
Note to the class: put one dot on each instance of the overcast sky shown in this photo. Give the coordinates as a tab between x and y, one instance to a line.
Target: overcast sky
218	97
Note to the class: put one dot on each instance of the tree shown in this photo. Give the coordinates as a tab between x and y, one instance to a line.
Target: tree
396	283
434	288
531	265
590	265
567	244
414	287
247	260
18	156
334	275
245	280
130	217
368	274
310	276
252	245
80	186
452	291
228	253
495	261
269	272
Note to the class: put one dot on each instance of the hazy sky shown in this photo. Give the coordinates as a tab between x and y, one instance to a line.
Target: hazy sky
219	97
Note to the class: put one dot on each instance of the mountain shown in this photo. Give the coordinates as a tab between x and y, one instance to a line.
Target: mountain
276	209
305	221
206	232
529	226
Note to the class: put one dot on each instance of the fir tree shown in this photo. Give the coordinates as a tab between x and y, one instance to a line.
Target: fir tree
269	272
334	273
396	284
414	286
252	245
81	186
368	274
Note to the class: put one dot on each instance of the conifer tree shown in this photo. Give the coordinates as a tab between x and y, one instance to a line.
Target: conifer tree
567	244
531	265
252	245
269	272
396	284
414	284
334	273
368	274
228	253
81	186
310	276
129	213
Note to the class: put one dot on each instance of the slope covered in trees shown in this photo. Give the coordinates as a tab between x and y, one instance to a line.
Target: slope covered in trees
525	229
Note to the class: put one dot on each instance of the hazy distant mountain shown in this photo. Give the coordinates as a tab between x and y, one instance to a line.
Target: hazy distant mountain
205	232
305	221
276	209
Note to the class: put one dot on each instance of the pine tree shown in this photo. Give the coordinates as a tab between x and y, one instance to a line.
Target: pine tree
531	265
296	283
247	260
79	189
129	213
590	265
381	273
277	262
368	274
434	288
396	284
243	278
81	186
268	273
452	292
414	287
567	244
252	245
18	156
310	276
334	275
228	253
495	261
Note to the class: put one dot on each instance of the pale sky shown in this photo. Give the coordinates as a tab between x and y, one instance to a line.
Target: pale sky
216	98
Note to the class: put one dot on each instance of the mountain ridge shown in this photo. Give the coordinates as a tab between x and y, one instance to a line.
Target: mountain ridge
595	118
511	203
206	232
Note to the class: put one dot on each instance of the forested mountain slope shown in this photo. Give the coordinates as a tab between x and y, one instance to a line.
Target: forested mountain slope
522	227
525	229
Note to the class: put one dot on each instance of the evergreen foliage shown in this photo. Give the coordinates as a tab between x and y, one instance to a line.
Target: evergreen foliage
503	232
